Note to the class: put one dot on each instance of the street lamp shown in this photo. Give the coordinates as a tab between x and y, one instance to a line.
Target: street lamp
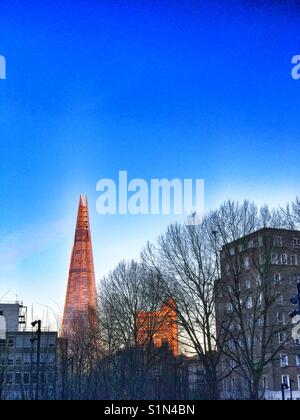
291	388
283	387
38	334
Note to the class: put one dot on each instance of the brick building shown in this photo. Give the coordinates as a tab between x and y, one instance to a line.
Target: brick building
259	275
159	327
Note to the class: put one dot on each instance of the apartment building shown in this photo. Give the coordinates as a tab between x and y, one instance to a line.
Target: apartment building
21	376
259	276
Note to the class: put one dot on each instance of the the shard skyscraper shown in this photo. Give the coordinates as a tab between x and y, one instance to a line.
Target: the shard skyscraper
80	301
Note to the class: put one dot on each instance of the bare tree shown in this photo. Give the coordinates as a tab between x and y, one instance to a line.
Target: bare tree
250	287
186	260
129	311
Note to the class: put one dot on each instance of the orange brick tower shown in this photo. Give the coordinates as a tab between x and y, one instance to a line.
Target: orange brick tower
81	290
159	327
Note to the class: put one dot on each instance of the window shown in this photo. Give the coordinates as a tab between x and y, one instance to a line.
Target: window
279	300
18	360
262	259
249	302
248	283
241	247
26	378
232	251
281	337
285	380
18	378
229	307
277	278
251	244
261	321
284	360
296	242
293	260
294	280
27	343
227	268
11	341
19	341
277	241
284	259
10	361
52	339
44	358
298	359
247	263
51	359
280	318
26	359
265	382
9	378
274	259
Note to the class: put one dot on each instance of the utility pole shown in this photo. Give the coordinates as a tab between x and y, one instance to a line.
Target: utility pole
38	361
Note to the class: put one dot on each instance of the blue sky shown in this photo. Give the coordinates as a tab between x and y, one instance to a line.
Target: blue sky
170	89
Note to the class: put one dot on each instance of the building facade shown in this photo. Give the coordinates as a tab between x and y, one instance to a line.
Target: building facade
159	327
26	371
259	276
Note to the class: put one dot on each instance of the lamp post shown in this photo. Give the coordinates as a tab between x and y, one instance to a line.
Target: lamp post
291	388
38	360
283	387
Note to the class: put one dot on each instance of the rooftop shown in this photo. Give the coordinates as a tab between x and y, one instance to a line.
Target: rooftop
261	231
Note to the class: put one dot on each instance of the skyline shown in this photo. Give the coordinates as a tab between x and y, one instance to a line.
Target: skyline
174	91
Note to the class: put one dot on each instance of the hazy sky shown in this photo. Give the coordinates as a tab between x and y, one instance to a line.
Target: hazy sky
189	89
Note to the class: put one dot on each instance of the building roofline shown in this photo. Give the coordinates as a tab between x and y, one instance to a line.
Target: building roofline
261	230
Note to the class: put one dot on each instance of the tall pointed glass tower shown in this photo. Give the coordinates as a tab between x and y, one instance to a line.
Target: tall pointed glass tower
81	289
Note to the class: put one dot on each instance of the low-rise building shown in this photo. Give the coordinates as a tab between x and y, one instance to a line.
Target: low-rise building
27	362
